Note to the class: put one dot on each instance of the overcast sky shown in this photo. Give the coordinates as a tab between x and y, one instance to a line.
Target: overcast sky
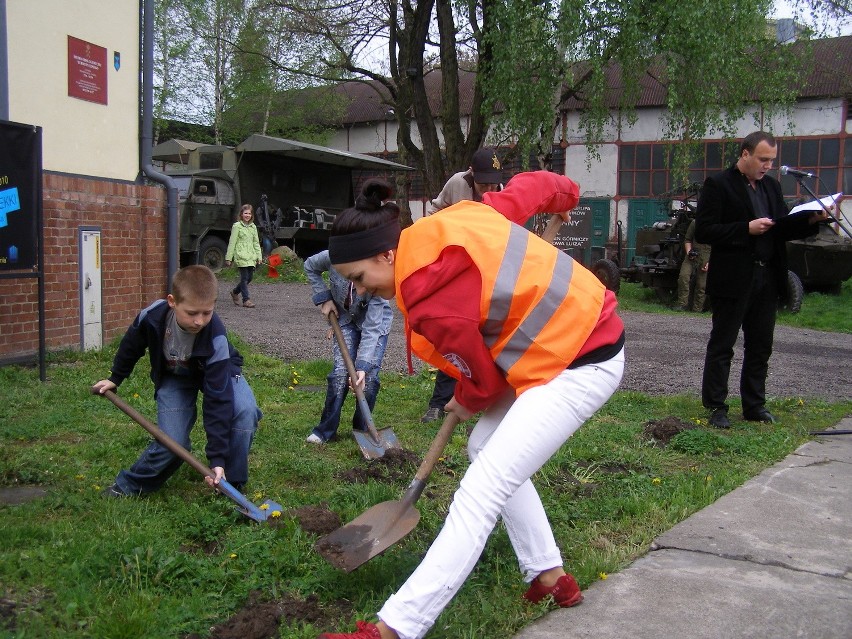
783	9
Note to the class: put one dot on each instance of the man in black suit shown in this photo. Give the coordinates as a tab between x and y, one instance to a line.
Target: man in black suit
743	216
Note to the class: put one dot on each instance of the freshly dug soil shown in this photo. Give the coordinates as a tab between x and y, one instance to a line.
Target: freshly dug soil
661	431
260	619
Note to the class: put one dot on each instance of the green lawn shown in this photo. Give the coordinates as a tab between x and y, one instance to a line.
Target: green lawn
76	564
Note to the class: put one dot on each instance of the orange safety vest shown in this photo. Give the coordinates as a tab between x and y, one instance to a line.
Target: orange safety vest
538	306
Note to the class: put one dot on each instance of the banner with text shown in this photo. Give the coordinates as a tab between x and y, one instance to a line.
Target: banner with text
20	177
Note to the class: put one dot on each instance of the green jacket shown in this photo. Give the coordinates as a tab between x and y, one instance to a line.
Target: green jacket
244	245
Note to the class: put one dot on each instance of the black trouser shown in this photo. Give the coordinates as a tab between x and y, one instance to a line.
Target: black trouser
445	386
755	314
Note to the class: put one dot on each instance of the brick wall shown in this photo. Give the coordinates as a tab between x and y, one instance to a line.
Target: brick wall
132	221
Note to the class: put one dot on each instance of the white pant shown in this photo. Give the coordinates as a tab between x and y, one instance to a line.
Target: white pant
511	441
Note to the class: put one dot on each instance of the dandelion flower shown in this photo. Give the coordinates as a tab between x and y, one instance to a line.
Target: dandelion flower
136	395
289	388
275	513
257	496
264	506
79	477
709	478
603	575
233	555
656	481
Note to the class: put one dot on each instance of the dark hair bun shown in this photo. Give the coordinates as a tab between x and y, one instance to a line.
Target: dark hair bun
373	194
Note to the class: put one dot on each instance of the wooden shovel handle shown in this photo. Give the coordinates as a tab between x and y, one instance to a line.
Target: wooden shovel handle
350	368
156	433
552	229
437	447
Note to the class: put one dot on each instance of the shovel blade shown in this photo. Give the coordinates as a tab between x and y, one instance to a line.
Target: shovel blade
247	508
372	448
368	535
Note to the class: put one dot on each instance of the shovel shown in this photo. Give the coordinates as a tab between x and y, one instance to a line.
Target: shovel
247	508
372	443
374	531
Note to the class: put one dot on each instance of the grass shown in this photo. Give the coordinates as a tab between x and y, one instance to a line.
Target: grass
77	564
820	311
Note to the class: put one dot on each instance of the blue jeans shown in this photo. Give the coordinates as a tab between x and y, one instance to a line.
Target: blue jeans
176	415
246	275
338	385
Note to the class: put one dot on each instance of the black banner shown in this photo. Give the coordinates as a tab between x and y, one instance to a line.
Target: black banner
20	179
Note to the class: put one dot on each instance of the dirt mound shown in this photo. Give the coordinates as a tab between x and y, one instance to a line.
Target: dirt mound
396	465
661	431
262	619
316	519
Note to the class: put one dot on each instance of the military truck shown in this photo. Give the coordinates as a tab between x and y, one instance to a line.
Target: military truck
297	189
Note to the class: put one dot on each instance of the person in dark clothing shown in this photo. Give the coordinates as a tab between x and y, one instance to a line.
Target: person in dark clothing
485	175
190	353
743	217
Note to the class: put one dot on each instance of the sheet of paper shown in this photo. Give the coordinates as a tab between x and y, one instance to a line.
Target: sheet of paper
815	205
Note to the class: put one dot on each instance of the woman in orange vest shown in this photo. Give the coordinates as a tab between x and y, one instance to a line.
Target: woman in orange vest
535	343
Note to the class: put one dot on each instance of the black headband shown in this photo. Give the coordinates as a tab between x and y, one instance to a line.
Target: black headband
363	244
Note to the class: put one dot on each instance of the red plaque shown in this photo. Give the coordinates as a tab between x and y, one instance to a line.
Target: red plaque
87	71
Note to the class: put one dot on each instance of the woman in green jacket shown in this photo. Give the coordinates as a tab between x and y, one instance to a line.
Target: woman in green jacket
244	251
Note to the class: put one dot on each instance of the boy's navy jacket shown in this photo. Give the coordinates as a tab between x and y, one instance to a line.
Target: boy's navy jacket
213	363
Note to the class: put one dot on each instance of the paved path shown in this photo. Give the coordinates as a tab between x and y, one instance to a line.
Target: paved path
769	560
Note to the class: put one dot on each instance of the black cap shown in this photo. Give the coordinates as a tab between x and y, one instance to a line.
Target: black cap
486	167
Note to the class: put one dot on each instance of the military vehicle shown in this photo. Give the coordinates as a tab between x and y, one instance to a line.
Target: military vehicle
297	189
822	262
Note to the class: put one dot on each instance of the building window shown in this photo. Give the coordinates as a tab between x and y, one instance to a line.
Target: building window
645	169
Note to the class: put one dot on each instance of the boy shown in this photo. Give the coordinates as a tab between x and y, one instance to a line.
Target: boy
189	352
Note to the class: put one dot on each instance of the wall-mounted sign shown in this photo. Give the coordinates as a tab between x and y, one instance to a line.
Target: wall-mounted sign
20	173
87	71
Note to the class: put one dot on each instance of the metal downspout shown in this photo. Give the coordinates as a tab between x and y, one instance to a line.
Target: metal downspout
147	137
4	64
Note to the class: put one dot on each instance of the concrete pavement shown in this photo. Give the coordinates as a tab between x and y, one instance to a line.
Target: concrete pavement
770	560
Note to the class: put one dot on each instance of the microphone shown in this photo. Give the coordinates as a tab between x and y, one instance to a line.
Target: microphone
785	170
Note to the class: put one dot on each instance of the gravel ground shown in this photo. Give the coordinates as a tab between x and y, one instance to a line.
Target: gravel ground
665	352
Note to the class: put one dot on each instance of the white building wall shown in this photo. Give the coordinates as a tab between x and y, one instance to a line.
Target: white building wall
598	176
79	137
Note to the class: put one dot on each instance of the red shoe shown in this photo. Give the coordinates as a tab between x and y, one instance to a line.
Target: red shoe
565	593
366	630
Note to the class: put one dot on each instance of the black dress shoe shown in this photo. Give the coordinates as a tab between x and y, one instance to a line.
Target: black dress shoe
719	418
761	415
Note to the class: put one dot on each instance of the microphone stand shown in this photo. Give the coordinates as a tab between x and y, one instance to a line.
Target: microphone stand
799	179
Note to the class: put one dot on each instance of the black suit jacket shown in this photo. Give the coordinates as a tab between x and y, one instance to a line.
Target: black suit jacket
724	211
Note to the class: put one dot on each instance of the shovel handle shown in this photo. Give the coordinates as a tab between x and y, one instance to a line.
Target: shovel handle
552	229
350	368
156	433
437	447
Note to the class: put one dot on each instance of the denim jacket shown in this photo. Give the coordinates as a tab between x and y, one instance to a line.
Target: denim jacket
371	315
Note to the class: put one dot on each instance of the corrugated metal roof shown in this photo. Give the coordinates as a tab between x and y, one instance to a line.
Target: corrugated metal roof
830	75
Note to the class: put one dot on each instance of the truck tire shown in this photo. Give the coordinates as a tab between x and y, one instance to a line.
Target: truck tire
212	252
795	293
608	273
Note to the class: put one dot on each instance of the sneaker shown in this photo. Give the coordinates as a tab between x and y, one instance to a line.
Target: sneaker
313	438
565	592
719	418
248	304
236	298
366	630
761	415
433	414
113	491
